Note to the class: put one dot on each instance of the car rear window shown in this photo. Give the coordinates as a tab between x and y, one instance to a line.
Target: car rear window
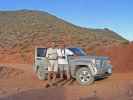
41	52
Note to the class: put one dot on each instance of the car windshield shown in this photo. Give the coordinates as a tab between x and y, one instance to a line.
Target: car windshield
78	51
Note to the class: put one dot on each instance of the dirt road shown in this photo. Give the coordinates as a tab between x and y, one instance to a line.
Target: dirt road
18	82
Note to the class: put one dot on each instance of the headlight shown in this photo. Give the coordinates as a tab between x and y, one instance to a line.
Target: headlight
110	71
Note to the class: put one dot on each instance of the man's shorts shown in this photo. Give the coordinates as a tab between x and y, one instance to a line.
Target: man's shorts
63	67
53	65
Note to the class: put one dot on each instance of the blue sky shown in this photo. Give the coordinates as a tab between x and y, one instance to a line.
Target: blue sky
113	14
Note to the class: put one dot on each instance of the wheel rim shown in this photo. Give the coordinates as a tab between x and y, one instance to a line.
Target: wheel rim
40	75
85	76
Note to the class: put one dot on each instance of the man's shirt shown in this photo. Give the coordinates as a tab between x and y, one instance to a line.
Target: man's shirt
52	53
63	55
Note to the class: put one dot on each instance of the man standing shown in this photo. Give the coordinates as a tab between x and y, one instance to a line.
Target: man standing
53	64
63	61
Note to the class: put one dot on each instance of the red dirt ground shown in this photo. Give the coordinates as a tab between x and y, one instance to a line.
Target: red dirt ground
121	57
25	86
18	81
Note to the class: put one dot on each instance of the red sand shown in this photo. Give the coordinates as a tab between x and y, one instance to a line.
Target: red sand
18	82
119	85
121	57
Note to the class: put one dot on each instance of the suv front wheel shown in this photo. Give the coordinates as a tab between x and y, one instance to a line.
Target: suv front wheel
84	76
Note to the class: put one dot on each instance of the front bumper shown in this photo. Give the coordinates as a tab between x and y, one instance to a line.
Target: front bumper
106	70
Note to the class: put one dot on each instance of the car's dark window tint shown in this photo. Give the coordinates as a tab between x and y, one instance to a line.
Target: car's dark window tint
41	52
77	51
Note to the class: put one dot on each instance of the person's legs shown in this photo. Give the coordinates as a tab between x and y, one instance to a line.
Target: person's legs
49	77
54	78
67	71
49	74
55	70
61	69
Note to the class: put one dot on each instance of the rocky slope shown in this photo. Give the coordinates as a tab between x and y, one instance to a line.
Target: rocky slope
29	28
21	31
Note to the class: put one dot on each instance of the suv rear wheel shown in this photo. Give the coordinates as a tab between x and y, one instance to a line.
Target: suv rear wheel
41	74
84	76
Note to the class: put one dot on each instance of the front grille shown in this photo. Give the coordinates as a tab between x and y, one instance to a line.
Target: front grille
98	63
104	63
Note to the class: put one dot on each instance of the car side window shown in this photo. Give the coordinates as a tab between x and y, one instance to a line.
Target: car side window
41	52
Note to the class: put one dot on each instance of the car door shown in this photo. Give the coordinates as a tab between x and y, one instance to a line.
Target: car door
40	58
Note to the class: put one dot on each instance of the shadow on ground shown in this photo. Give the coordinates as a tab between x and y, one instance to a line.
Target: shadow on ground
40	94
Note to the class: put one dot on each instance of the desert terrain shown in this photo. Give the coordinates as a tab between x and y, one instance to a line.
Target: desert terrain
21	84
18	81
21	31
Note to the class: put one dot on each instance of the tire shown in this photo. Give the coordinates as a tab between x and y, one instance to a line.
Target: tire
41	74
84	76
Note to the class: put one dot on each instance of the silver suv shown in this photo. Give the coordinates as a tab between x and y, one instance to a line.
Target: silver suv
84	68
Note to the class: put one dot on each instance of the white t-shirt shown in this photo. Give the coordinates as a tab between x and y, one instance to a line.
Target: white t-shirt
52	53
63	52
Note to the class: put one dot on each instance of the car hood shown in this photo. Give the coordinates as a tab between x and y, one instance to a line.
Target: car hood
94	57
102	58
87	58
